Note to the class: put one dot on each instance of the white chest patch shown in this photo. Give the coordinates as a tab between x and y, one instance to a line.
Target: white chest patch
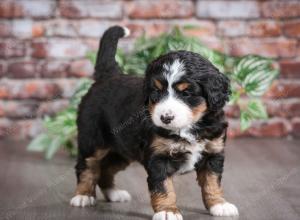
193	157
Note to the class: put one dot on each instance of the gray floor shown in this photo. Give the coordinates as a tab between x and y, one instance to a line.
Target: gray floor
262	178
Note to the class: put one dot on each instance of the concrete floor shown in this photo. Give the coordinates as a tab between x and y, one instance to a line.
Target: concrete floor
262	177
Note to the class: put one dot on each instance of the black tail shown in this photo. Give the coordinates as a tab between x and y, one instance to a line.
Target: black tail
106	63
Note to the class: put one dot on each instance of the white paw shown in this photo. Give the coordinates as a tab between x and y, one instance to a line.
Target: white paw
116	195
224	209
82	201
163	215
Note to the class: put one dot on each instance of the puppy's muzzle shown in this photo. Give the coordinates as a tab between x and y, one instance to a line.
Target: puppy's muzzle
166	119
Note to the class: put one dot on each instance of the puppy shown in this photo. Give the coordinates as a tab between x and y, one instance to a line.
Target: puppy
172	122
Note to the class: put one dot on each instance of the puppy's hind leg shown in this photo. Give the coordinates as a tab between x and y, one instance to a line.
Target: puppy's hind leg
88	173
110	166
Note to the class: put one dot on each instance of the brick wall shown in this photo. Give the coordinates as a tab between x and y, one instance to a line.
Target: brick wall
43	44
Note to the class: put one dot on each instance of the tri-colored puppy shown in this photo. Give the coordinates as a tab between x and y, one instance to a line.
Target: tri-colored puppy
172	122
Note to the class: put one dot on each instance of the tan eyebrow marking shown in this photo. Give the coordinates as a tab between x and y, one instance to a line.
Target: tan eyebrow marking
158	84
182	86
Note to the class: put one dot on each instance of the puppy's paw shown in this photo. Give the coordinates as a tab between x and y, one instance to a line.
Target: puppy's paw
224	209
165	215
116	195
82	201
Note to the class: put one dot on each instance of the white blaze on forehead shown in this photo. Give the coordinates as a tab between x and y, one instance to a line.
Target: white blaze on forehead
173	73
172	105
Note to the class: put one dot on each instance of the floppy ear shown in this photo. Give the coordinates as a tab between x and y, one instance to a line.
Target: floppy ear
217	90
146	93
146	85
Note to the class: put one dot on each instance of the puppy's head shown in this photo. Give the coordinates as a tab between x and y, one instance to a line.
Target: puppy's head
180	87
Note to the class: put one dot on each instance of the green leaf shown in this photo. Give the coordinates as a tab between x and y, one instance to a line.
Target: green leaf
55	144
245	119
257	110
92	57
255	74
39	143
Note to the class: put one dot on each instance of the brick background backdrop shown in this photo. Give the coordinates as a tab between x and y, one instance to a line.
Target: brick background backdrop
43	44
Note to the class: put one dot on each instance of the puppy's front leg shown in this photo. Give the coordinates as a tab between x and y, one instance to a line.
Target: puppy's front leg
164	202
163	197
209	178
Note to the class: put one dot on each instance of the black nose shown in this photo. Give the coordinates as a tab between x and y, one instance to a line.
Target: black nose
166	119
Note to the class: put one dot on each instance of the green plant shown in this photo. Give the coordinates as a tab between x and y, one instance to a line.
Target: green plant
61	130
250	77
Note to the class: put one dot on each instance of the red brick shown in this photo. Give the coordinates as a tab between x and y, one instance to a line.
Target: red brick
201	29
61	28
227	9
5	29
160	9
5	125
284	89
24	69
37	30
28	89
264	47
232	111
81	68
51	107
274	127
292	28
39	49
234	129
231	28
2	69
92	28
32	8
10	9
38	8
66	48
290	69
213	43
286	108
18	109
264	29
53	69
137	29
281	9
23	129
22	28
12	48
27	129
67	87
90	8
296	127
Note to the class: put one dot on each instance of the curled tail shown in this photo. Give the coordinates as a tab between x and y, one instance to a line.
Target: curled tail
105	62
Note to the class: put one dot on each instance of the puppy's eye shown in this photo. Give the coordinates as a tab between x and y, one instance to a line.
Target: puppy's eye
182	86
158	85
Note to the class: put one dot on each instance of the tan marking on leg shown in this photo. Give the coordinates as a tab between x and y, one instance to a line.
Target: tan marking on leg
212	192
89	177
198	111
215	145
165	201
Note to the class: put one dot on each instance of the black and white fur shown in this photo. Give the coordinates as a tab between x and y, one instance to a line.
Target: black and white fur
115	115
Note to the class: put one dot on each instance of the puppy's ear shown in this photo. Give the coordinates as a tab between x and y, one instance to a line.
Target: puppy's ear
146	93
217	90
